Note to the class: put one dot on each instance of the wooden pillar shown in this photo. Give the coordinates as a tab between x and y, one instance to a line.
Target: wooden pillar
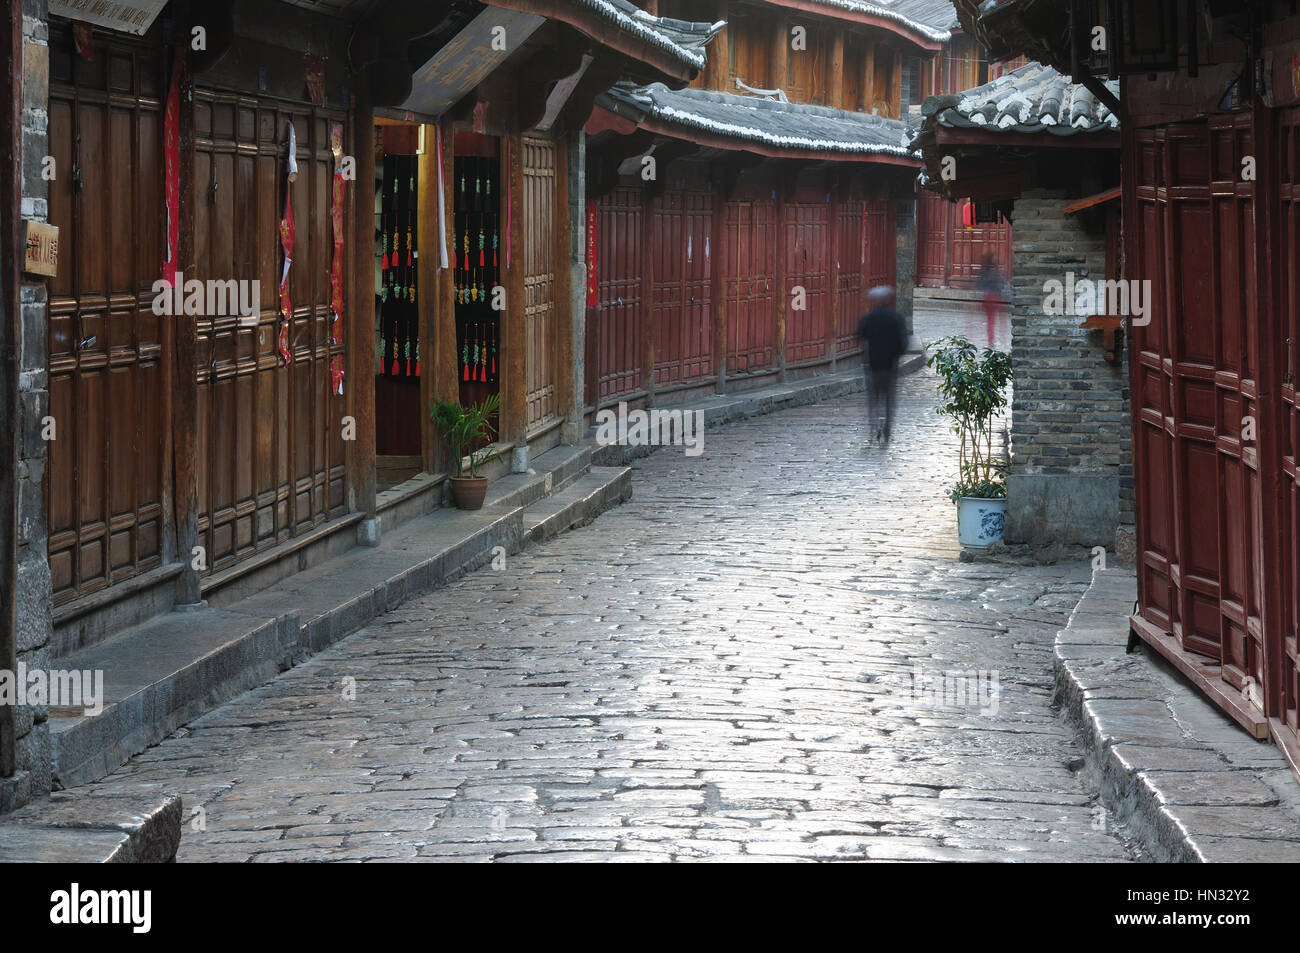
833	311
780	55
429	298
514	343
648	291
781	300
359	324
835	74
868	76
566	312
185	388
718	279
443	357
895	91
720	54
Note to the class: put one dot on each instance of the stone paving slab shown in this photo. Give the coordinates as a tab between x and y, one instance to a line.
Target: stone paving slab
1177	775
759	657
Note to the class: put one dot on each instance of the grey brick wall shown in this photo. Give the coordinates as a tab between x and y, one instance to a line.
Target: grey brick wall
31	731
1070	446
905	267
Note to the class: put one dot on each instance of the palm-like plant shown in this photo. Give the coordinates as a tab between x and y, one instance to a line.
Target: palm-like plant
462	427
973	386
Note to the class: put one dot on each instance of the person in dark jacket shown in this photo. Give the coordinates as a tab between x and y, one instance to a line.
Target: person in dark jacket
884	337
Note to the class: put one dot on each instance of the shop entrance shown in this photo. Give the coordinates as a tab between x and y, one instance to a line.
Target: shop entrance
478	253
398	410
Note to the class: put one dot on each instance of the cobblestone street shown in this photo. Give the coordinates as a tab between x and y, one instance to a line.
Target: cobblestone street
725	668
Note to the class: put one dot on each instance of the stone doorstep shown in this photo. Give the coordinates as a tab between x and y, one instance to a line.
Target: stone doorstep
1170	769
78	827
164	673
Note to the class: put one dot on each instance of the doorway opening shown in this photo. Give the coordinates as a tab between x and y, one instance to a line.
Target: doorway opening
398	410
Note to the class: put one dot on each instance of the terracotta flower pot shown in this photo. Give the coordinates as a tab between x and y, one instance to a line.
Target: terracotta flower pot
468	492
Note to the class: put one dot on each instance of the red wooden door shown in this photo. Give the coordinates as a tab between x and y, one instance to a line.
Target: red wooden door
933	218
104	470
807	267
619	356
1285	659
1194	385
750	280
682	316
849	280
270	442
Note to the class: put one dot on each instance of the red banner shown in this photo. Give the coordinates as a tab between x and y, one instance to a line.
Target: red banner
172	167
336	267
593	277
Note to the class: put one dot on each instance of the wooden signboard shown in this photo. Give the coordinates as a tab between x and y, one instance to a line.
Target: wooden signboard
41	249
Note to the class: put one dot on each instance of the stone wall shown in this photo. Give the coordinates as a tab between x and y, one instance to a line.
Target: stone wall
31	732
905	266
1071	465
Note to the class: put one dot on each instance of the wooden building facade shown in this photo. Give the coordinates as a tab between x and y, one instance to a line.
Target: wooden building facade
207	362
739	222
1210	162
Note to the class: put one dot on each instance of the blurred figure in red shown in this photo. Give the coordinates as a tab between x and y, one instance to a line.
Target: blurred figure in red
993	294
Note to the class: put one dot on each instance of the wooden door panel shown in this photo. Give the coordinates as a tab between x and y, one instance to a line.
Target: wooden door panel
621	307
104	475
269	462
540	327
750	240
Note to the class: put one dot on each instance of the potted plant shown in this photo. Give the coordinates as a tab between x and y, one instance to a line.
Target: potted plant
462	427
972	385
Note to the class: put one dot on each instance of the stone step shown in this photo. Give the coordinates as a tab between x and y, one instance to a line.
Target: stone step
161	674
578	504
74	827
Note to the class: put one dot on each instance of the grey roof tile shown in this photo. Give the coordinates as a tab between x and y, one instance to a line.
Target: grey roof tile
684	39
1033	98
754	119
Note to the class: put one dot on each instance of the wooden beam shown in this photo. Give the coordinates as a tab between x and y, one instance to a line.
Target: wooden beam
563	257
514	341
720	52
185	388
359	323
780	64
444	360
835	72
868	76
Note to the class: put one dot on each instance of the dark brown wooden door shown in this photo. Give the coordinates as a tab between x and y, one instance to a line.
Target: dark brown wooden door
1287	654
1194	390
270	436
104	482
541	326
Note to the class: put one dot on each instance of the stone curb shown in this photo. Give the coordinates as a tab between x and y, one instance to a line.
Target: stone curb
1178	777
87	827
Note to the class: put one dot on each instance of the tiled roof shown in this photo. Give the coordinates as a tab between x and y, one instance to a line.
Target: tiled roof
934	19
1033	98
785	127
683	39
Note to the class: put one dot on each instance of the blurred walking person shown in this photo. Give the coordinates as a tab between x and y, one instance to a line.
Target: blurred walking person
884	337
993	293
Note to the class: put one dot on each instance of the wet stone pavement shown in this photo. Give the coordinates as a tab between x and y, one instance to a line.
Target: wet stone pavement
772	652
